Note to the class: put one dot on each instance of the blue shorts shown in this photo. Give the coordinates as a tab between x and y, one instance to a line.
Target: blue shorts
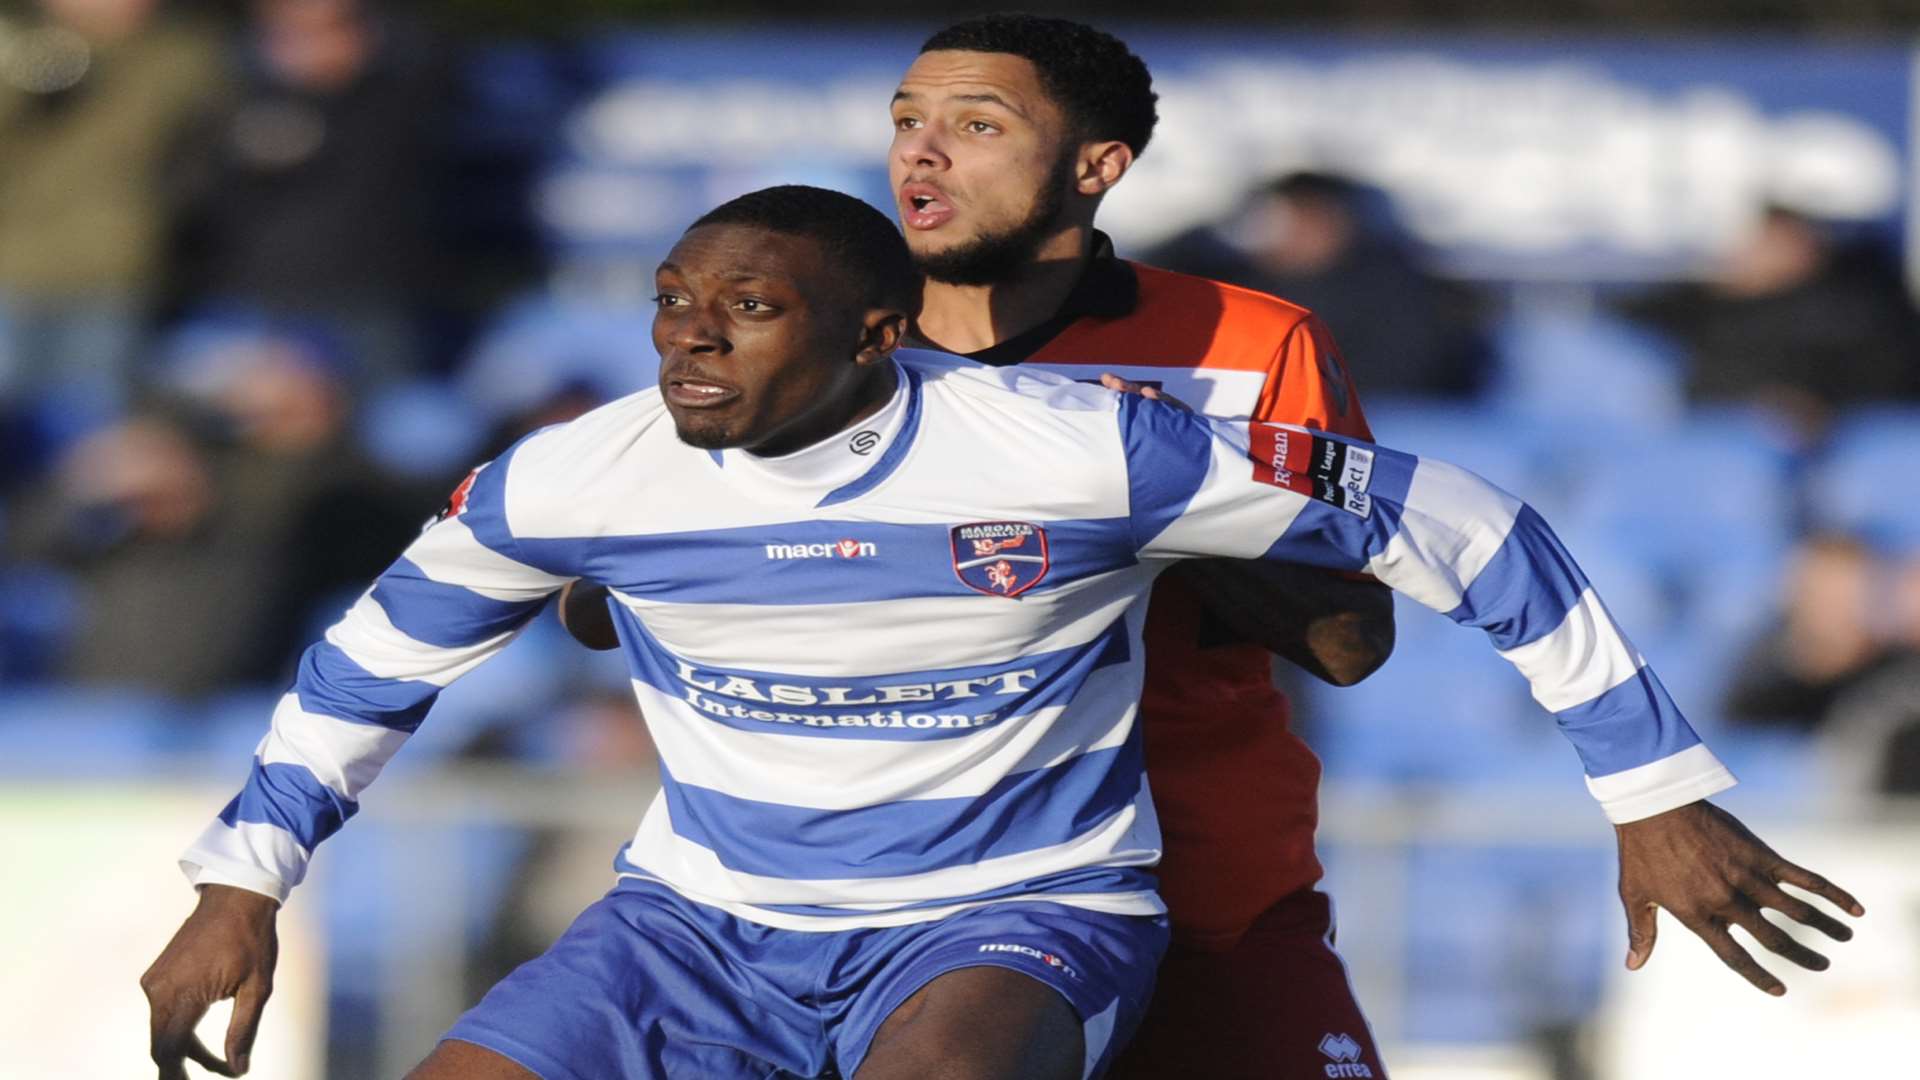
648	984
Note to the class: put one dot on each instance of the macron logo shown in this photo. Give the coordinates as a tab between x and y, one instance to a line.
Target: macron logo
1032	953
1345	1053
843	549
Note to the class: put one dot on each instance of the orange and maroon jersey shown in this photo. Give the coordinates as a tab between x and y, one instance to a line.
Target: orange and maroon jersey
1235	788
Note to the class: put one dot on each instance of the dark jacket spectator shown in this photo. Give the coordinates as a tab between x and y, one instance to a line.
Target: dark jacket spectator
1824	644
1305	238
314	194
1793	322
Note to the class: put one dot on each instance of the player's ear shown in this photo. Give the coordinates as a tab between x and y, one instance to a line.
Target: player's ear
1101	165
881	332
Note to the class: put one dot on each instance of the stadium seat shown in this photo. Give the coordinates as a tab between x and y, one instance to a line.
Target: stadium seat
1512	451
421	429
544	346
1586	371
70	733
1506	942
1855	485
39	607
1443	710
1683	499
229	725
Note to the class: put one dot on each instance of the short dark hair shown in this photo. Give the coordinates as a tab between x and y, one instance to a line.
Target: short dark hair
860	240
1105	90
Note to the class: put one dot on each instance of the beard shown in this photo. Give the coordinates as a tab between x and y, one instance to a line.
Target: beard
704	432
709	439
993	257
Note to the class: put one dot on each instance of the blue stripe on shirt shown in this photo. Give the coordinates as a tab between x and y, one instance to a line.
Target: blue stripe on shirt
716	692
1025	811
331	684
449	616
1326	536
294	799
1168	454
1526	589
1633	724
486	515
736	566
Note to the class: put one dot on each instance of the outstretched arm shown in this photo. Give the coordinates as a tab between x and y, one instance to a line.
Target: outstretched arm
1463	547
457	596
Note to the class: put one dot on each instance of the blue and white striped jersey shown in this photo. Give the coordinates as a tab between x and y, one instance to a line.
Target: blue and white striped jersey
895	674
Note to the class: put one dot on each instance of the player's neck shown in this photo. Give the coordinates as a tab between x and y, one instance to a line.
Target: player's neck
969	318
872	394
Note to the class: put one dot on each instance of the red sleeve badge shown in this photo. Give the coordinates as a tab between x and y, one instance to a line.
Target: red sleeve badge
457	502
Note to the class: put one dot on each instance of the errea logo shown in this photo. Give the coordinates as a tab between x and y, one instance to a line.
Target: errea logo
1345	1052
841	549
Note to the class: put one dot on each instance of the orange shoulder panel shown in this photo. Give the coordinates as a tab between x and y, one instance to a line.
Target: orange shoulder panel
1192	322
1183	321
1310	385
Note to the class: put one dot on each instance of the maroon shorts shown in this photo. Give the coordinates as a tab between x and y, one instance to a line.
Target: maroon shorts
1277	1006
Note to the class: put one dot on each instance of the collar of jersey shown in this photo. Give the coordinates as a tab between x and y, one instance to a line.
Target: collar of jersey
830	465
1108	289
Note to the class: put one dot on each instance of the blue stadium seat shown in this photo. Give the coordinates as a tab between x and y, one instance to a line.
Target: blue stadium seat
1586	370
1779	769
1504	942
1863	481
61	732
1512	451
544	346
1443	709
421	429
1682	502
39	608
228	726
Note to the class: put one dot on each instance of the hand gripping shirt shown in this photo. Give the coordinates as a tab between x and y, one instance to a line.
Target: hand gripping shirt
896	674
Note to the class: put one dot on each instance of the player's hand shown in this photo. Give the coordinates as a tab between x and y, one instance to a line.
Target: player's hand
225	949
583	613
1154	393
1702	865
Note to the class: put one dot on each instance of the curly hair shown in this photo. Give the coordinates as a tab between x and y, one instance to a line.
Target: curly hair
1104	89
858	239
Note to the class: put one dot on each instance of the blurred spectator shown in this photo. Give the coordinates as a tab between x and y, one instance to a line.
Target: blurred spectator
1826	643
93	95
1875	725
201	536
314	193
1794	322
1306	238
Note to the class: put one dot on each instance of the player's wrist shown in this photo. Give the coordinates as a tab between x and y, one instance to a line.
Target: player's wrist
234	901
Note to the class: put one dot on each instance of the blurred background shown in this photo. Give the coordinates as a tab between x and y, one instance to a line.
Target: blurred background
273	275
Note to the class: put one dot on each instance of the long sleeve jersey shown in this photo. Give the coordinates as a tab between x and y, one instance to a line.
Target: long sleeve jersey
895	674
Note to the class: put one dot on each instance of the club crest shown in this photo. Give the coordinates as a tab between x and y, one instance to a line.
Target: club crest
1000	558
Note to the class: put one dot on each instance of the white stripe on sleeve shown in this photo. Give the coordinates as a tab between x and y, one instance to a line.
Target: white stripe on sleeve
1660	786
1584	657
344	755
